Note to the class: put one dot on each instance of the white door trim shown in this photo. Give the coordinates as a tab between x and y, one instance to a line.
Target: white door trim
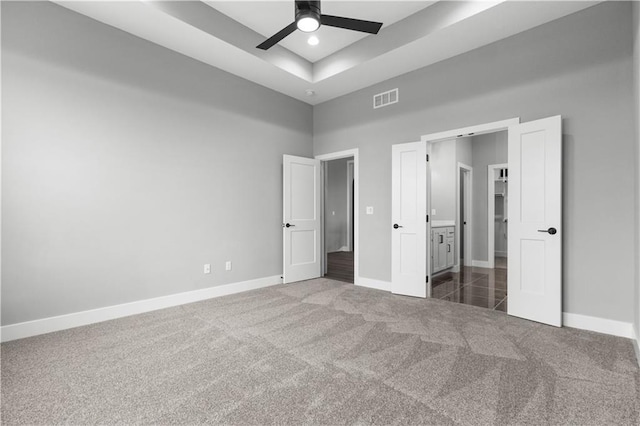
428	228
356	202
350	173
477	129
491	212
468	203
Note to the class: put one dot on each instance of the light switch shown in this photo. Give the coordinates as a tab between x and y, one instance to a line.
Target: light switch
369	209
333	213
207	268
433	212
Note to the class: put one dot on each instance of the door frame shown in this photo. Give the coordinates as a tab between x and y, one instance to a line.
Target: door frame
356	206
430	138
491	212
350	174
468	206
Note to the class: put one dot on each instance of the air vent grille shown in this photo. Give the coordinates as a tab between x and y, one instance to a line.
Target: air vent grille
385	98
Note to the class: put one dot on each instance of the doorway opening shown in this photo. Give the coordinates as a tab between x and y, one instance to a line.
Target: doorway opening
534	218
465	215
337	229
497	201
340	215
467	201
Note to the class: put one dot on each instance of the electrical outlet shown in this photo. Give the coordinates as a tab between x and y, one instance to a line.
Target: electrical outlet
227	265
207	268
369	209
433	212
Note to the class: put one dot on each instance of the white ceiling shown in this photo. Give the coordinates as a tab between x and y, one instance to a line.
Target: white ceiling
415	34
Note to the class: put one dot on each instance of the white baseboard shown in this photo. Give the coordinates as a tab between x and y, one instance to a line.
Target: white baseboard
343	248
481	263
600	325
375	284
77	319
636	344
500	253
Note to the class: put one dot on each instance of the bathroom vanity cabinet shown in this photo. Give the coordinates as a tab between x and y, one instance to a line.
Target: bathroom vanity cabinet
442	247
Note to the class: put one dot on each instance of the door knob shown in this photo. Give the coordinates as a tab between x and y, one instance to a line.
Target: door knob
288	225
550	230
396	226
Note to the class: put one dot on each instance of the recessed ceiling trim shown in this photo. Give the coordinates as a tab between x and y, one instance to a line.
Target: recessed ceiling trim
365	63
417	26
219	25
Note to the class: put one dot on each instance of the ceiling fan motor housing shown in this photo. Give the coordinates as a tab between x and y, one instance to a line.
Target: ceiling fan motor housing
308	9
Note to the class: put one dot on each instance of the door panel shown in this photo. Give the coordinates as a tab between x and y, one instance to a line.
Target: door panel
534	273
408	255
408	215
301	211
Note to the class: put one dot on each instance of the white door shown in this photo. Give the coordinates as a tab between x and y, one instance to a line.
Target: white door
408	219
534	277
301	218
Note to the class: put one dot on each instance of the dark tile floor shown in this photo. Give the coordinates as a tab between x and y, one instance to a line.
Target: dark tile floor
340	266
486	288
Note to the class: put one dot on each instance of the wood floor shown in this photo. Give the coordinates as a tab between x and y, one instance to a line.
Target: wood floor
340	266
501	262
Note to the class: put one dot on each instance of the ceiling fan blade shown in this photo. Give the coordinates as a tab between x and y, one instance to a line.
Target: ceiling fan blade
273	40
351	24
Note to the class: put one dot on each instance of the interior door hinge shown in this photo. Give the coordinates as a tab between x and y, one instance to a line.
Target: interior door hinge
427	278
427	157
427	218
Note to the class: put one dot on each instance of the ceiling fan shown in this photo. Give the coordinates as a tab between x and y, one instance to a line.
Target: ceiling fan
309	19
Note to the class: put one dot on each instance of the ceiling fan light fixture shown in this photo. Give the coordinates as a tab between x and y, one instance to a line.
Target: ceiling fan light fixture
308	18
308	24
307	15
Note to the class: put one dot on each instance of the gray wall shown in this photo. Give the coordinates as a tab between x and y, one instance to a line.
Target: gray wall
580	67
126	167
464	153
490	148
336	201
445	156
443	180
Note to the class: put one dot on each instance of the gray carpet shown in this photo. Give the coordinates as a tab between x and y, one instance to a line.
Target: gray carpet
320	352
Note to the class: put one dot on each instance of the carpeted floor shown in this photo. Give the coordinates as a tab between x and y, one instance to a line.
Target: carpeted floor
320	352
